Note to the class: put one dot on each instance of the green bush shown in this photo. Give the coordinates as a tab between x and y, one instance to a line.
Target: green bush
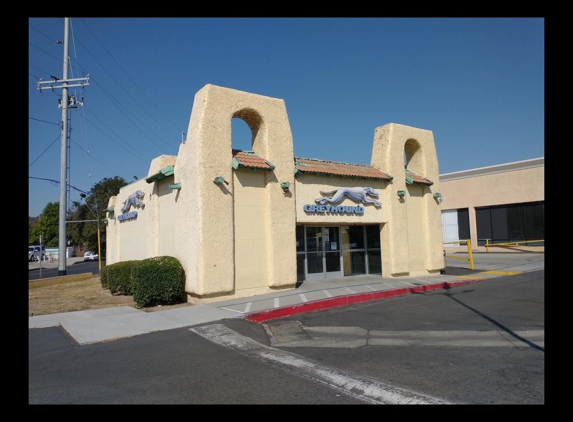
119	277
158	281
103	277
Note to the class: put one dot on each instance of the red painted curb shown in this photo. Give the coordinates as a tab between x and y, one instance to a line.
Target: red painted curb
334	302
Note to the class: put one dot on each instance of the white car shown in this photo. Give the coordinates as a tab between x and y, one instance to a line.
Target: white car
36	252
90	256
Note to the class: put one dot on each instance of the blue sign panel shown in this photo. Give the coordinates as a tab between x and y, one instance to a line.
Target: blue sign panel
127	216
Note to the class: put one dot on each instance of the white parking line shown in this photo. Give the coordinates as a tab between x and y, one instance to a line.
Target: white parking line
366	389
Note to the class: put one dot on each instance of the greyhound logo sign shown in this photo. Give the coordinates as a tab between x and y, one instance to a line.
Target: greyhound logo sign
359	194
133	200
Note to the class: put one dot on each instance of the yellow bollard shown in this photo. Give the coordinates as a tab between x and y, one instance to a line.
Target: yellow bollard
470	256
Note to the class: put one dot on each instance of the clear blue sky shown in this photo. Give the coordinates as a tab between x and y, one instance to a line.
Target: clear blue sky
476	83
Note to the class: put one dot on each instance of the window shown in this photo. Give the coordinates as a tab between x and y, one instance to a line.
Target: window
511	223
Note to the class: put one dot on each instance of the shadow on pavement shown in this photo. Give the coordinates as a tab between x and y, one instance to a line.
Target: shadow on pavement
460	271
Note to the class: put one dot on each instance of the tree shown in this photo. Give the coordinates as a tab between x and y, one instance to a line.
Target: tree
85	220
95	203
77	217
47	226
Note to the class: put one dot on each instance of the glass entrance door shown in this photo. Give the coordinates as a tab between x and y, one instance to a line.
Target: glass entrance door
323	252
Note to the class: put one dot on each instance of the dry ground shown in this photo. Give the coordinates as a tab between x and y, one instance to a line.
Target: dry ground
79	296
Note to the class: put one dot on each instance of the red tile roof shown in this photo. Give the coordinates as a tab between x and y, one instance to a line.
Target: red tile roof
412	177
249	159
311	165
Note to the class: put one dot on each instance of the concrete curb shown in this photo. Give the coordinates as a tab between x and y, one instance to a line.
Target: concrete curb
317	305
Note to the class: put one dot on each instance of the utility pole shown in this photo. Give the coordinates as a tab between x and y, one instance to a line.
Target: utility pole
65	102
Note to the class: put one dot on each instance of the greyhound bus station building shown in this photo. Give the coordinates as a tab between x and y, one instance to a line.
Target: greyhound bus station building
247	222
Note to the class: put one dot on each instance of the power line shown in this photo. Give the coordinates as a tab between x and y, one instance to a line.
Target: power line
44	121
57	183
124	110
131	79
44	151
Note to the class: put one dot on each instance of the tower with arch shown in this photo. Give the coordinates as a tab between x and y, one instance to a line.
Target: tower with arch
412	236
227	248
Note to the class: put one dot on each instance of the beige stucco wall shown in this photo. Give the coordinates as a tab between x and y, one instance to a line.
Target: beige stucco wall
251	232
137	236
499	188
151	233
165	201
511	183
159	163
391	143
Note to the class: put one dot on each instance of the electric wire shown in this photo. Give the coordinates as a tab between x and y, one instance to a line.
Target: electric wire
76	67
131	79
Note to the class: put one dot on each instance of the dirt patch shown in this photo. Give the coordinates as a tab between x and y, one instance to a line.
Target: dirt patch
80	295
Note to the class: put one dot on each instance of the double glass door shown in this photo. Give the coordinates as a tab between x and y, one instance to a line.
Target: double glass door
323	252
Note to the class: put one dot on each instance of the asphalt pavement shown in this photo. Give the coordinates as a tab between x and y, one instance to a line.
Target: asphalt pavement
107	324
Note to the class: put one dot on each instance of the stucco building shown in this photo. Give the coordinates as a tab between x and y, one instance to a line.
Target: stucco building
499	204
245	222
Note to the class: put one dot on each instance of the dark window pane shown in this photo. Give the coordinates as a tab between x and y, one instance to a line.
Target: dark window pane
314	261
374	262
314	239
300	276
499	225
483	225
299	238
516	223
373	236
463	224
358	263
356	237
534	222
332	261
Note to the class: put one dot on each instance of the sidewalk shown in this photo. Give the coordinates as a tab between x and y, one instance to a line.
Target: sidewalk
94	326
53	264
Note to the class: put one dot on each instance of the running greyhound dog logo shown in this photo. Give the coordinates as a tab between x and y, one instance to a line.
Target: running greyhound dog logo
133	199
357	194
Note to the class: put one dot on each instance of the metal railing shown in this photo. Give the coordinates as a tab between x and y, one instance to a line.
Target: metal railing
513	244
470	257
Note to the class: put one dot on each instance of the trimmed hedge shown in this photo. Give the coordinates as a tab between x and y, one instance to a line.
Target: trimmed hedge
103	277
158	281
119	277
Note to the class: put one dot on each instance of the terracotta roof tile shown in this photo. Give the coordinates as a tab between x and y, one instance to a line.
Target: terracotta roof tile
248	159
412	177
311	165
